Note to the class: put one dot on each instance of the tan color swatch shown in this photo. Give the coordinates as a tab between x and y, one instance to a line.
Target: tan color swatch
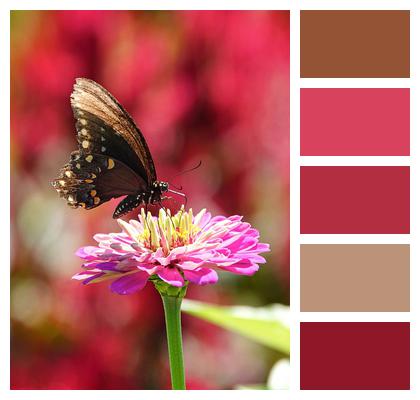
355	277
355	44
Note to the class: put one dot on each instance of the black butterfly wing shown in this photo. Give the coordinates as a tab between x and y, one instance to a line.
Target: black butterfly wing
104	127
113	159
89	180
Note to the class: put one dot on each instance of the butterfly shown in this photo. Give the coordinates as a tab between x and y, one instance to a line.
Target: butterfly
112	159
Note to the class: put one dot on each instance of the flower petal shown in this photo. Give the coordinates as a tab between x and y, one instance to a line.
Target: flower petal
130	283
88	252
130	230
202	218
93	277
242	268
262	247
190	265
80	276
109	266
171	276
255	258
101	237
201	276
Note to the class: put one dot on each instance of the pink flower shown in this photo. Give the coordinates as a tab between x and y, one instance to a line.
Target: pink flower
173	249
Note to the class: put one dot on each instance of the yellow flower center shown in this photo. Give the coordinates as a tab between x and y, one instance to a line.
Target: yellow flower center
166	231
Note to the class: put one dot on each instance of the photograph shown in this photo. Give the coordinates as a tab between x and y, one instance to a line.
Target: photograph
150	198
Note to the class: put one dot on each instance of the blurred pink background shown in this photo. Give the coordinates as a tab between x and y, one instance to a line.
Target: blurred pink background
201	85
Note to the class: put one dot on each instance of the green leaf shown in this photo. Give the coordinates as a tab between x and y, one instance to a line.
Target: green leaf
266	325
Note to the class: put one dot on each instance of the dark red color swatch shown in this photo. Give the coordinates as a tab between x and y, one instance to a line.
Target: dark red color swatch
355	122
355	355
358	200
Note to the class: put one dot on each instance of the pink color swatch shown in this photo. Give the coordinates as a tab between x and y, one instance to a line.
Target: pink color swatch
355	122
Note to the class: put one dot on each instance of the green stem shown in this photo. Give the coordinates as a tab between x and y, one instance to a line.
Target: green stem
172	307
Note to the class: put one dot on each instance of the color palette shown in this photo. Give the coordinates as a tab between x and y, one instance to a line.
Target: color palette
355	277
367	273
355	200
355	122
355	355
355	44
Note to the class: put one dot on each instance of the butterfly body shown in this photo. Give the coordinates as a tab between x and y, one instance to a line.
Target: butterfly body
131	202
113	158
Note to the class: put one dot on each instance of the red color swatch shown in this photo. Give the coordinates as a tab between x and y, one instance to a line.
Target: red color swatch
355	355
358	200
355	122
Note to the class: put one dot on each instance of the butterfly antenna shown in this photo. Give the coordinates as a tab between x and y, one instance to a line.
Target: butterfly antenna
184	172
189	170
176	187
179	194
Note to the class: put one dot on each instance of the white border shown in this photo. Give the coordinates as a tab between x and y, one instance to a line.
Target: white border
294	196
210	5
296	239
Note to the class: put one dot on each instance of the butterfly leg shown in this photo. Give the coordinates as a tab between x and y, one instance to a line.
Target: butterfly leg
175	202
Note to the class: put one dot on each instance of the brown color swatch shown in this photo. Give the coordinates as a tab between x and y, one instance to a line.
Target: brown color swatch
355	44
355	277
